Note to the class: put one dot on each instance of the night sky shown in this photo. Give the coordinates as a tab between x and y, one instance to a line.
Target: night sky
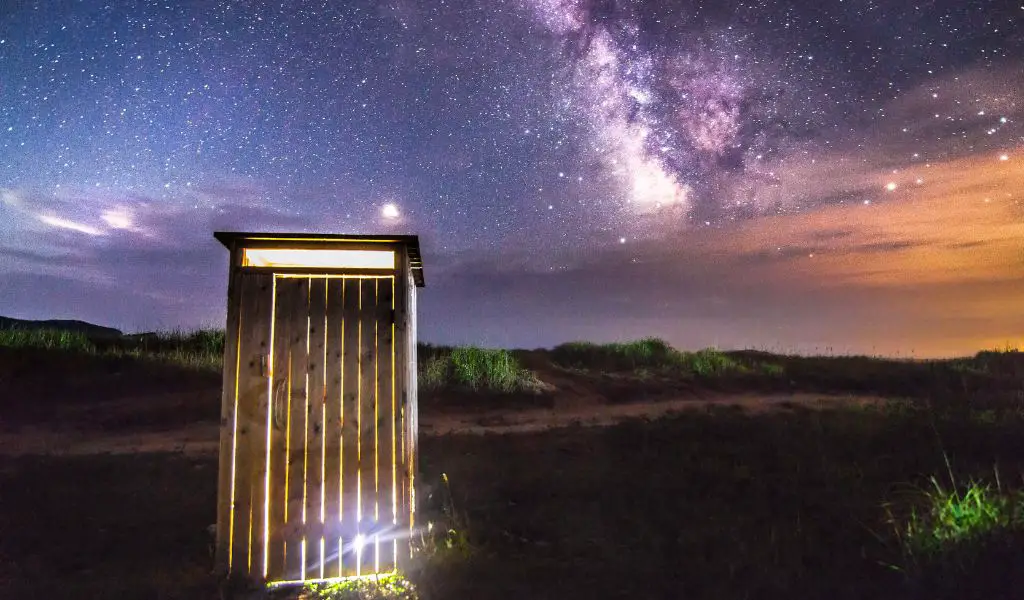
834	176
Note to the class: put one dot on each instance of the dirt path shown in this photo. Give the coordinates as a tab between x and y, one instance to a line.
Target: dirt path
202	439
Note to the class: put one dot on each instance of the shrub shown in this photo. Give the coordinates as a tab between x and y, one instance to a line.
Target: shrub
478	369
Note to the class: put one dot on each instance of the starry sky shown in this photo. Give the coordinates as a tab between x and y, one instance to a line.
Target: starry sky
834	177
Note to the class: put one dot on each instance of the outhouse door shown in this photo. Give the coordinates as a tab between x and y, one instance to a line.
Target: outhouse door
319	463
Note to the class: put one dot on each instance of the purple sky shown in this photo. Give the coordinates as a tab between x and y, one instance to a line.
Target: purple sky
790	176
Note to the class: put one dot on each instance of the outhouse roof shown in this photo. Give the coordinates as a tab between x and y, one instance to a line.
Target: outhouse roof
411	242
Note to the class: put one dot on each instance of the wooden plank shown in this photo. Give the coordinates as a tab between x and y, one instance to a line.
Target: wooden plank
286	302
350	422
332	424
250	424
401	384
411	398
368	418
261	427
315	501
295	440
386	403
227	421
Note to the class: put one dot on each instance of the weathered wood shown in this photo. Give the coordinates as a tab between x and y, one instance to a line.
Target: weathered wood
401	376
368	418
319	444
286	303
261	428
350	422
315	429
387	515
250	419
227	422
332	425
411	399
295	487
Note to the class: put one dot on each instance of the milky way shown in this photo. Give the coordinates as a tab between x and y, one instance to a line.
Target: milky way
520	137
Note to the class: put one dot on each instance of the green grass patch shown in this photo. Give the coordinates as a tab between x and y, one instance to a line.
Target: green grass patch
201	349
392	586
709	363
654	355
651	353
198	348
952	525
47	339
477	369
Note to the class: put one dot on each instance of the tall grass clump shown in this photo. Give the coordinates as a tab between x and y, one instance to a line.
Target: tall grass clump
497	370
47	339
478	369
954	525
201	341
648	353
434	372
709	362
201	349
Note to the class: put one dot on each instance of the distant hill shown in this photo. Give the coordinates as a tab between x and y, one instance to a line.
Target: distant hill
90	330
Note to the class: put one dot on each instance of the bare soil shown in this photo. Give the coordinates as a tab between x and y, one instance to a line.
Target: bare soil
66	404
201	438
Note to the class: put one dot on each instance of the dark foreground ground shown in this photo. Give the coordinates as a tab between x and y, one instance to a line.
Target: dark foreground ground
788	504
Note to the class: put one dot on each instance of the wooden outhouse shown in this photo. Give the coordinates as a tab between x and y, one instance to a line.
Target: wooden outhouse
318	413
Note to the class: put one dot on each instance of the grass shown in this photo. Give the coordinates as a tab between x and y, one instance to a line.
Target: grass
47	339
650	353
953	526
655	355
384	587
716	505
476	369
200	349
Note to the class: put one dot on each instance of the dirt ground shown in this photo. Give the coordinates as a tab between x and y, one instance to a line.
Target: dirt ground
201	438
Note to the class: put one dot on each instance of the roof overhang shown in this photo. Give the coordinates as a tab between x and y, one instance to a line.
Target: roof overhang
411	243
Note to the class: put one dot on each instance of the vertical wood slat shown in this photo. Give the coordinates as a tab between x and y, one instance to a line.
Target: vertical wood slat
227	421
401	376
286	303
250	415
261	428
386	404
350	423
367	419
296	437
411	399
332	424
315	428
